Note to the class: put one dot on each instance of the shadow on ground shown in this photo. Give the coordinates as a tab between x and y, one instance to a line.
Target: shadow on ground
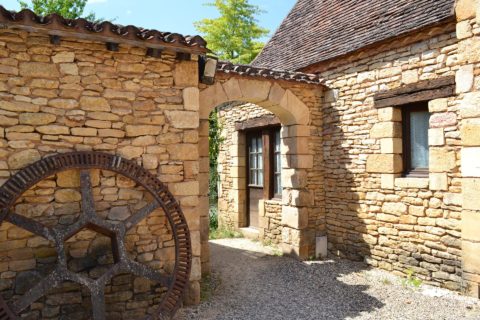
252	285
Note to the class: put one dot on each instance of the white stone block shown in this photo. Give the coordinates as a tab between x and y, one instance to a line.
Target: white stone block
436	137
464	79
471	162
438	181
321	247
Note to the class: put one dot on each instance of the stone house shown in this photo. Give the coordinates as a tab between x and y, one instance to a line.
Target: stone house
99	225
387	170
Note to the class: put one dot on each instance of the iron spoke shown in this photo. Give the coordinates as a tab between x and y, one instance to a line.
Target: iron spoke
30	225
141	214
98	303
88	204
53	280
142	270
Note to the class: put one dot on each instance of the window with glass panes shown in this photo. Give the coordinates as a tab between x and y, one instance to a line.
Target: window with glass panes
277	165
256	160
264	161
415	124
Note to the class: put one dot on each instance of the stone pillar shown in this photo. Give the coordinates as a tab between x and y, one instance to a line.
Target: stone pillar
469	55
296	161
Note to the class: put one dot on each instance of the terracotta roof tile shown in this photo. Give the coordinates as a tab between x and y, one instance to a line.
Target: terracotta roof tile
55	24
247	70
319	30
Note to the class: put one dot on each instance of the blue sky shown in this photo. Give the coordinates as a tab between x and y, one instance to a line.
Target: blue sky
172	15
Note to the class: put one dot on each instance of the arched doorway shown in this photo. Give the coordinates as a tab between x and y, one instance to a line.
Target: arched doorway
285	100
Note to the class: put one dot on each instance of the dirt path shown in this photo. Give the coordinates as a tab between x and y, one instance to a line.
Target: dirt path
250	281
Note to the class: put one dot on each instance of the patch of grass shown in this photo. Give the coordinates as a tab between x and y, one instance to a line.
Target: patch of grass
267	242
411	280
277	252
222	233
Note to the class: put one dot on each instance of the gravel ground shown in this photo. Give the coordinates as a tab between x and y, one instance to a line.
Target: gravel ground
250	281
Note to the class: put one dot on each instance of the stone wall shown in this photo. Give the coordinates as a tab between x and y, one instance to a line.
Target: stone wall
77	96
396	223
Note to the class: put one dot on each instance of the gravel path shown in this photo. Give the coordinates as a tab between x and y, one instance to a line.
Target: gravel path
250	281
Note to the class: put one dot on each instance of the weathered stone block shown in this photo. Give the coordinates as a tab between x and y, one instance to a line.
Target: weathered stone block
67	195
471	193
470	105
386	130
63	103
464	30
438	105
183	119
23	158
69	69
416	183
436	137
388	180
94	104
470	225
391	145
36	118
38	70
191	98
465	9
410	76
438	181
441	160
7	121
190	188
142	130
183	152
470	256
384	163
470	132
53	129
130	152
64	56
19	106
186	74
84	132
390	114
464	79
441	120
395	208
470	162
294	217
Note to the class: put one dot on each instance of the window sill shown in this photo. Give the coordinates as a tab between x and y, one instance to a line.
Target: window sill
412	182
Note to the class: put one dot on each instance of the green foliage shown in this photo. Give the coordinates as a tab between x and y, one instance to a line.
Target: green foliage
222	233
70	9
213	217
411	280
215	141
234	35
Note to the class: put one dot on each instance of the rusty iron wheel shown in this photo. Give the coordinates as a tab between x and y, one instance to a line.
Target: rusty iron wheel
175	283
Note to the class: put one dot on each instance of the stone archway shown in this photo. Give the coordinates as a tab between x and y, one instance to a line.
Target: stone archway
295	116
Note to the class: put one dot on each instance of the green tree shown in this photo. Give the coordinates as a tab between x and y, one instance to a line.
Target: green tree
234	34
70	9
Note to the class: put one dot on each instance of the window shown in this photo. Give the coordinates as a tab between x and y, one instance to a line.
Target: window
256	160
264	161
415	139
277	166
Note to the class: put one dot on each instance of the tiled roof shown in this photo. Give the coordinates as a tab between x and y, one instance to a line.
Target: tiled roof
246	70
55	24
319	30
